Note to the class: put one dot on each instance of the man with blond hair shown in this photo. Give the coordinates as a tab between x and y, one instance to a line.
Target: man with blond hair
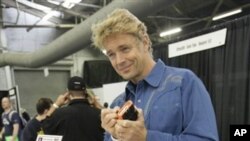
172	103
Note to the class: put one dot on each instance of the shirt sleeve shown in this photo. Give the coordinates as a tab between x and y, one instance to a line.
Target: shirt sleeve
15	118
50	123
199	123
27	134
108	137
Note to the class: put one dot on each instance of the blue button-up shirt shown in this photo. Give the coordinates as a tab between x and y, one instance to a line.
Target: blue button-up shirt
176	105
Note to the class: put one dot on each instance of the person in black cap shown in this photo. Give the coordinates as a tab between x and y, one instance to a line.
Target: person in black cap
78	121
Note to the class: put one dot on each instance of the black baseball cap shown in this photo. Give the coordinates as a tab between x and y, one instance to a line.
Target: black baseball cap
76	83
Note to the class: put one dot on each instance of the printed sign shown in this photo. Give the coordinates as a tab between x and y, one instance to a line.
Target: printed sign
48	138
203	42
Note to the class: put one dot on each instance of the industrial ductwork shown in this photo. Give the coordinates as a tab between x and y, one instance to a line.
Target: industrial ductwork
80	36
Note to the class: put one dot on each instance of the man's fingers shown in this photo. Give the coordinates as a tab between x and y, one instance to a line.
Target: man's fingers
108	113
125	123
111	123
108	117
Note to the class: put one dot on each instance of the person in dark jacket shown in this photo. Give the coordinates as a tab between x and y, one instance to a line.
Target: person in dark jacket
34	126
78	121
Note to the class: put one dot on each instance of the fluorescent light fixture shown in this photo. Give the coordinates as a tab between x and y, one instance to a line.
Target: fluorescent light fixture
70	3
220	16
36	6
67	25
67	3
49	15
46	17
54	2
169	32
45	9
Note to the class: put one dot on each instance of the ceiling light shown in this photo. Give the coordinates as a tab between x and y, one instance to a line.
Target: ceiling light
46	17
36	6
49	15
73	3
54	2
66	3
169	32
70	3
220	16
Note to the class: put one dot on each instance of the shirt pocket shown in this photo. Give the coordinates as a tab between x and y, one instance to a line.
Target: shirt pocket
166	114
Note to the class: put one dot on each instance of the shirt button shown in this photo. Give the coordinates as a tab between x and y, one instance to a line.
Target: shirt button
139	101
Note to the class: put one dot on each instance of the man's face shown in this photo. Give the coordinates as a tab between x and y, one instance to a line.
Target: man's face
128	55
6	103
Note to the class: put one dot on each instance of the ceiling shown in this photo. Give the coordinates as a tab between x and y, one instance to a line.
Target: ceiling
191	15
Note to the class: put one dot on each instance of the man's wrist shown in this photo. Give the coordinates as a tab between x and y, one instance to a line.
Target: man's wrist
55	105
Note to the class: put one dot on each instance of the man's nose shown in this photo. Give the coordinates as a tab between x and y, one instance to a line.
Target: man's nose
120	58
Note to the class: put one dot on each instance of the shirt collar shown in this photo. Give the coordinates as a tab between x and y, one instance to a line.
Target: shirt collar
155	76
74	101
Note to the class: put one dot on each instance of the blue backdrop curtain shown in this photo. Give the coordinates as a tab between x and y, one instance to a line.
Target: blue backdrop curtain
224	70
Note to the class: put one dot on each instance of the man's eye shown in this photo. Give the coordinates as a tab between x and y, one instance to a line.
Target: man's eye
125	49
110	55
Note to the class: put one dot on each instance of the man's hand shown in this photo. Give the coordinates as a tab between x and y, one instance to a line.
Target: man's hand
127	130
13	138
62	99
109	120
1	133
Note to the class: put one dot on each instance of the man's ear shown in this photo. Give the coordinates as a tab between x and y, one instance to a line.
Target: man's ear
145	42
45	111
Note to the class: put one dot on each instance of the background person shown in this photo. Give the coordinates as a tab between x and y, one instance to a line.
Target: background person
25	115
94	100
78	121
11	122
34	126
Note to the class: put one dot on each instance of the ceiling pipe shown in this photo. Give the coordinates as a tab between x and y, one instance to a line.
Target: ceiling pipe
80	36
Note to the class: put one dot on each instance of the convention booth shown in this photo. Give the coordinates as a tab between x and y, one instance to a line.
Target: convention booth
224	68
219	56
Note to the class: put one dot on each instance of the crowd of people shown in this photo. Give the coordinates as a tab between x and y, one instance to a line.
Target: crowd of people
172	104
75	115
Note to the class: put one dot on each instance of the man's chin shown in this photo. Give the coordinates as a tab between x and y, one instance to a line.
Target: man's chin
126	77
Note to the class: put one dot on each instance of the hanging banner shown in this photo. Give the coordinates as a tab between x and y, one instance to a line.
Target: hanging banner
202	42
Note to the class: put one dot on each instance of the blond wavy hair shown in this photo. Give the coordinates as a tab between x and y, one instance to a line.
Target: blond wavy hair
119	21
